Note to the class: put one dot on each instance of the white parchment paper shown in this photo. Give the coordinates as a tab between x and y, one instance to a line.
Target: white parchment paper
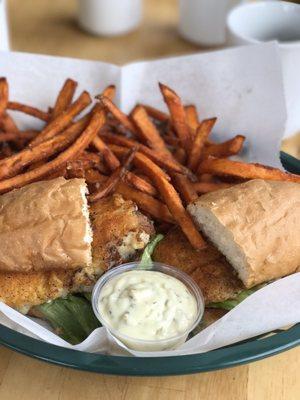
243	88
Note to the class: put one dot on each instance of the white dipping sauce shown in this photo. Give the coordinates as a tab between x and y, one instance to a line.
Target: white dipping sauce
148	305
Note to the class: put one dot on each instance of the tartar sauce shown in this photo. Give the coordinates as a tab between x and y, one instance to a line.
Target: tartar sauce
147	305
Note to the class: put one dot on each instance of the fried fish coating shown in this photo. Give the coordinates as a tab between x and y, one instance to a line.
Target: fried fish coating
210	270
119	231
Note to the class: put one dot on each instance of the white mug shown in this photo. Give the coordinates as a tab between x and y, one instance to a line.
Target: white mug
273	20
264	21
109	17
204	21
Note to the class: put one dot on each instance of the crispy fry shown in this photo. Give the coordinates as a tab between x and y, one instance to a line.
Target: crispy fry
64	98
192	118
12	165
173	141
168	164
87	160
180	155
185	188
29	110
109	92
202	134
178	117
6	150
82	142
94	177
206	178
171	199
114	163
117	113
225	149
139	158
148	131
109	157
3	95
59	172
140	184
113	180
205	187
64	119
148	204
155	113
7	124
225	167
16	136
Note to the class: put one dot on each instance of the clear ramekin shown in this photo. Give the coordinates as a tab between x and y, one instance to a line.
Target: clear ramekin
150	345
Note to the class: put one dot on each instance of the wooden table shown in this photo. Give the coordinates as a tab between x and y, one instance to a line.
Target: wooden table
42	26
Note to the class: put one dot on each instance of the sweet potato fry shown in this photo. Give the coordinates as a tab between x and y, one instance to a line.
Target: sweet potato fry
81	143
3	95
109	157
148	204
6	150
155	113
64	98
180	155
29	110
94	177
225	149
64	119
168	164
171	199
113	180
15	163
173	141
185	188
7	124
206	178
117	113
140	184
139	158
177	113
87	160
56	174
16	136
202	134
206	187
225	167
147	131
192	118
109	92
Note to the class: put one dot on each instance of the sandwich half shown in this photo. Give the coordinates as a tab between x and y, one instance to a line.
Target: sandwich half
256	225
118	232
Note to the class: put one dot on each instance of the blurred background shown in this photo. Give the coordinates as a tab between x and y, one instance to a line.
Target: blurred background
121	31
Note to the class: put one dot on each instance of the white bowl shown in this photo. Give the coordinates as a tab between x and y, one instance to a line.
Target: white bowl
264	21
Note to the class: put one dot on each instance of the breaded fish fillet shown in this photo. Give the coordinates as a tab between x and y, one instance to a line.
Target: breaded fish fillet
215	277
119	230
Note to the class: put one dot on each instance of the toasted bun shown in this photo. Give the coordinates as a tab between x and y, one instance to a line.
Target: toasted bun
256	225
45	225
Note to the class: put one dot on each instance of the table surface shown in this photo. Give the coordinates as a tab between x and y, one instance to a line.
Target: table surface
50	27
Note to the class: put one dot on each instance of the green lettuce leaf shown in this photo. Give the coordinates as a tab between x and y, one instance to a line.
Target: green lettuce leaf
231	303
72	318
146	259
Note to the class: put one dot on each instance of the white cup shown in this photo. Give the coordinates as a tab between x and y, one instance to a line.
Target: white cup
109	17
264	21
273	20
204	21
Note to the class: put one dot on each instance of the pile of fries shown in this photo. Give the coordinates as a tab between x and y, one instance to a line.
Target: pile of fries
160	161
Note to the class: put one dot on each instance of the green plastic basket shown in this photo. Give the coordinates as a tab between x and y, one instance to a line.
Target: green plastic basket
237	354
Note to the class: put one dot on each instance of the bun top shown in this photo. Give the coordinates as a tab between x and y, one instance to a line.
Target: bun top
45	225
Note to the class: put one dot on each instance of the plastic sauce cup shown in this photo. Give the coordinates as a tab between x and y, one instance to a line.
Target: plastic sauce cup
156	344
